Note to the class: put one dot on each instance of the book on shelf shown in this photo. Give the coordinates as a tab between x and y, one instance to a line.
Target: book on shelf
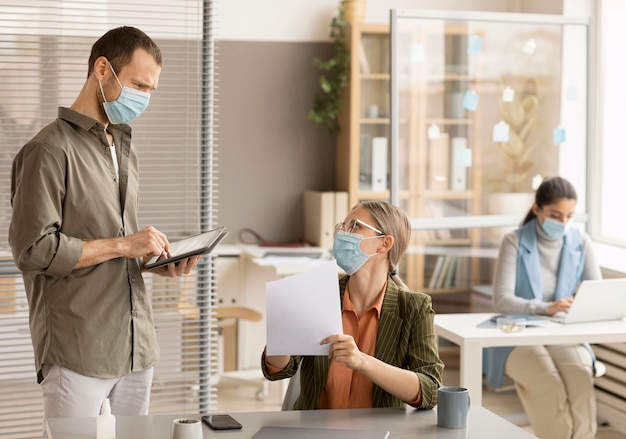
365	66
447	262
436	272
450	274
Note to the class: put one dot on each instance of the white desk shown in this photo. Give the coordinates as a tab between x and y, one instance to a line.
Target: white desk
401	423
462	330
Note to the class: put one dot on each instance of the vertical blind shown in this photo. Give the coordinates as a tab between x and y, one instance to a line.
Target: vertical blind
44	48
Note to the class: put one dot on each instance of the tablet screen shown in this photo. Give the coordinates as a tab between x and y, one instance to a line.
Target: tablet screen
191	246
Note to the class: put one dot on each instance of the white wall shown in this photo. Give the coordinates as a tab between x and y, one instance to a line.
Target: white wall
308	20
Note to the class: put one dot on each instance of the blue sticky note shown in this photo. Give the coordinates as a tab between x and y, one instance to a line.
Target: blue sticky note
558	135
470	101
474	45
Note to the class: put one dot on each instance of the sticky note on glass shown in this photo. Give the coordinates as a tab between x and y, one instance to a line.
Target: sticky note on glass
433	132
501	132
474	45
558	135
470	101
416	53
508	94
529	46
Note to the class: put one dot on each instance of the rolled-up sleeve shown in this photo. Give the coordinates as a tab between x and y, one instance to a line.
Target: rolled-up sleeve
37	197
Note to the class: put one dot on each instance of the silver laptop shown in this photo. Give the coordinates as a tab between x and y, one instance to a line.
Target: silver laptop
596	301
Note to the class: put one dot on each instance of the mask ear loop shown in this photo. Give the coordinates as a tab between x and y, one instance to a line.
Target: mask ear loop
116	78
114	74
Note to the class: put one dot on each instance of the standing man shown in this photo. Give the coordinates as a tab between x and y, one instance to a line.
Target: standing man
75	236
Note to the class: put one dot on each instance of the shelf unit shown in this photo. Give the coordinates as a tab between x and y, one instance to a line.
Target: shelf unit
368	86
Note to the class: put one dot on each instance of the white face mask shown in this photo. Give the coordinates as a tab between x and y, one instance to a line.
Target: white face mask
128	106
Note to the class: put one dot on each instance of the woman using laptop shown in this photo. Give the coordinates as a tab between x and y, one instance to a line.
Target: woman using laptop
387	355
538	270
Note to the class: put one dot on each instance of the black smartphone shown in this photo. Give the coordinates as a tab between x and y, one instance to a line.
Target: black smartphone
221	422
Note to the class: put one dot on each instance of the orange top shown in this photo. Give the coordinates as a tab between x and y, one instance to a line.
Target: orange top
346	388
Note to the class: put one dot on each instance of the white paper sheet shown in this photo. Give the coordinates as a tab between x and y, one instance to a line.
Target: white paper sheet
302	310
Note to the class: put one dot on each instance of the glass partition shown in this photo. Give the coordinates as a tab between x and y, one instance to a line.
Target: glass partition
483	107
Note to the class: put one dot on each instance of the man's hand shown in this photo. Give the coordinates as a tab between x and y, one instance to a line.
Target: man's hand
184	266
146	244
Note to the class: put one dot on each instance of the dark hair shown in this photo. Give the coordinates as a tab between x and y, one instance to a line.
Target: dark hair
551	191
391	220
119	45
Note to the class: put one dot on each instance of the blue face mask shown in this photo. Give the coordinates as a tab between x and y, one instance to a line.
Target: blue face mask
554	228
128	106
347	251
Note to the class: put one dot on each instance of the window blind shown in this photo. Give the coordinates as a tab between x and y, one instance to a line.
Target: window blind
44	49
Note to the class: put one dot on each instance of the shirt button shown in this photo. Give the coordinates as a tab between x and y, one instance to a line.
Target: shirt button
132	279
133	313
108	148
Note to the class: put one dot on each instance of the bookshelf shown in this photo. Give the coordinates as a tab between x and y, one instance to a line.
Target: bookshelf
363	144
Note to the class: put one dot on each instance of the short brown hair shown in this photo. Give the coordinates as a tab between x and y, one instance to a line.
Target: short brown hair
119	45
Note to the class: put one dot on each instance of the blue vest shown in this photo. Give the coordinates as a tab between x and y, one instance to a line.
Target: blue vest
528	284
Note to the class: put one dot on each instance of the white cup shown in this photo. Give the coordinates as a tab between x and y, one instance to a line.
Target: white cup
372	111
186	428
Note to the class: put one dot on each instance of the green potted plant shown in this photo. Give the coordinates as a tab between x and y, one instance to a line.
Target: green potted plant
334	76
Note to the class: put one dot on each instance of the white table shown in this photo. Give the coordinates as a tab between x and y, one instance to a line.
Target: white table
462	330
401	423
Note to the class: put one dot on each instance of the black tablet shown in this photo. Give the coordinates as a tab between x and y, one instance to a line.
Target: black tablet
194	245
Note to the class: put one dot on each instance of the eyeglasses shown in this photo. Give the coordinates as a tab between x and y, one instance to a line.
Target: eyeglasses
354	224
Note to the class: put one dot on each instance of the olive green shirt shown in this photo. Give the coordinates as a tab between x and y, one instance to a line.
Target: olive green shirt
97	320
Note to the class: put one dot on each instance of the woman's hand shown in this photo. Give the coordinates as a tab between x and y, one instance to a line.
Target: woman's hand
561	305
343	349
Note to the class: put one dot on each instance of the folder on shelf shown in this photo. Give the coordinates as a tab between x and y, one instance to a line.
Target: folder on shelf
322	210
439	162
379	163
461	155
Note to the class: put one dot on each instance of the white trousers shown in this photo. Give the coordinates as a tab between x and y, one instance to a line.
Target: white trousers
555	386
70	394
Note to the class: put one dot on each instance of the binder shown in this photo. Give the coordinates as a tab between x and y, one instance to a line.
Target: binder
379	163
439	162
460	156
322	211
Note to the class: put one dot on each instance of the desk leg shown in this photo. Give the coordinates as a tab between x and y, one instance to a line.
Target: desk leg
471	371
